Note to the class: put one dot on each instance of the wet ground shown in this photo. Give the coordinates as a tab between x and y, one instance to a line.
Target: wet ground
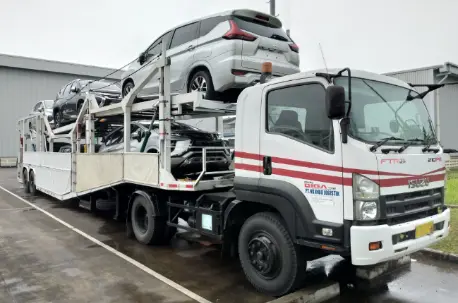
45	261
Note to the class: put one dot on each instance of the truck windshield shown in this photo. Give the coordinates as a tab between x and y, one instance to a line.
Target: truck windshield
381	110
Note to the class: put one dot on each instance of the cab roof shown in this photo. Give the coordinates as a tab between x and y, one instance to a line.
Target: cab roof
354	73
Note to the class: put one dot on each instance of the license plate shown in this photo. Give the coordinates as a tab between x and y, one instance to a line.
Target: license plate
424	229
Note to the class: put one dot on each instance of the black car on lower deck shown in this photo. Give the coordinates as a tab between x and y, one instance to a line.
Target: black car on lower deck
187	143
71	97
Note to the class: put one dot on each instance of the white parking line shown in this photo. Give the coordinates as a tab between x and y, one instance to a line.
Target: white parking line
149	271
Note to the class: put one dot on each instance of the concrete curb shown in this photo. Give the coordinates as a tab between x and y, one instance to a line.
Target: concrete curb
316	294
439	255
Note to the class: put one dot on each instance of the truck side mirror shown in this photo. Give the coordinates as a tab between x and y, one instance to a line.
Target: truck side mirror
335	102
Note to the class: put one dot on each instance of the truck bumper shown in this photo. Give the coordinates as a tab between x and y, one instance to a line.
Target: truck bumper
392	247
373	276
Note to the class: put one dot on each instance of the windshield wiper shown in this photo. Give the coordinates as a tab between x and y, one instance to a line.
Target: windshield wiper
428	142
383	141
409	143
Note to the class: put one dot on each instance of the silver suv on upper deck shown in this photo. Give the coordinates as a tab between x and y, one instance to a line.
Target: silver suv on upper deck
217	54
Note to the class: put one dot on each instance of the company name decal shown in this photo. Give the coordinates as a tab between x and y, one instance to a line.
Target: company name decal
435	159
319	189
393	161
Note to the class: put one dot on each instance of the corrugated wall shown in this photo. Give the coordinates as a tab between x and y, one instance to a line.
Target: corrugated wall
448	109
19	91
425	76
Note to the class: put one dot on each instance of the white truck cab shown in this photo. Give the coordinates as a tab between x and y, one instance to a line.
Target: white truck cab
363	179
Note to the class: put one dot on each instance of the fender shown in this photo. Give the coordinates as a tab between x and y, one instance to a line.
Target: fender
199	63
293	206
144	195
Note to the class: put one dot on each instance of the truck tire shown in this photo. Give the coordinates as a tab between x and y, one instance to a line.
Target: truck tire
269	258
32	186
146	226
25	181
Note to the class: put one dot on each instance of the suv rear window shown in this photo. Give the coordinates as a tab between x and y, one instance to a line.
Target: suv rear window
261	29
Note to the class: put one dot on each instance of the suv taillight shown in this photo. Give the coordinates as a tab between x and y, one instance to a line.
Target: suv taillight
294	47
236	33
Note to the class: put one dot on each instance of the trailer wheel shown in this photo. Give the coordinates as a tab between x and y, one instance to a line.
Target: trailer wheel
32	186
147	228
25	181
269	258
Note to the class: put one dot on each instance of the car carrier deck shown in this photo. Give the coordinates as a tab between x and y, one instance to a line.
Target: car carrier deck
69	175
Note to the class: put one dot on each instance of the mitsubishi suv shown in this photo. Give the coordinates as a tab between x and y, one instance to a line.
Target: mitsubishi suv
217	55
186	143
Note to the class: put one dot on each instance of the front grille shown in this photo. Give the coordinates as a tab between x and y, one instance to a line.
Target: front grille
197	146
404	207
200	143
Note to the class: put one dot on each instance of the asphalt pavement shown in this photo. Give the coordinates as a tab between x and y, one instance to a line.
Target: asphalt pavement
87	258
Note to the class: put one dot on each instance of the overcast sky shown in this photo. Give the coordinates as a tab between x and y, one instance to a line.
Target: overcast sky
377	36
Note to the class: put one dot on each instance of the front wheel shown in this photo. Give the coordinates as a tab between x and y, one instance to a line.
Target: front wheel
269	258
202	82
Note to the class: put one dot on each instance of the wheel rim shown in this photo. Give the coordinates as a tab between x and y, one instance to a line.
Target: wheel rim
57	119
141	219
127	88
264	255
199	84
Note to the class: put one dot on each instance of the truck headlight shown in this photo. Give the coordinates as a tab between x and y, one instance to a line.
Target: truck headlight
366	198
181	147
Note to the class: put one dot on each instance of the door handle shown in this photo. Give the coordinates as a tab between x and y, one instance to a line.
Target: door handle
267	165
191	47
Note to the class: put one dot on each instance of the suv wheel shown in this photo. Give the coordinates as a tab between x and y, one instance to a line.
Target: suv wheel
57	119
202	82
127	88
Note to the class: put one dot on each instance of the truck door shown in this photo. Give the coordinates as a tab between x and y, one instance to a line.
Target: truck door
301	158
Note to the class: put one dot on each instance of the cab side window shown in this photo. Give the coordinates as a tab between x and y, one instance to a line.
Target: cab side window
298	112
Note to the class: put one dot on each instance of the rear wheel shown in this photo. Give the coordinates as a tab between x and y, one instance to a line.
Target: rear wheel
79	106
147	226
202	82
128	86
32	186
269	258
25	181
57	119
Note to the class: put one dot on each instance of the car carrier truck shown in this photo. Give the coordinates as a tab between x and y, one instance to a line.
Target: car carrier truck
340	162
